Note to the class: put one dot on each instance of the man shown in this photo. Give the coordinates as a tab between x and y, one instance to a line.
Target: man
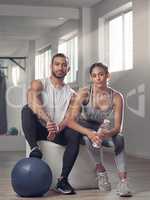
45	116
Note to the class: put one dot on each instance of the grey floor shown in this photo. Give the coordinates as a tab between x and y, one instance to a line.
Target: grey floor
138	171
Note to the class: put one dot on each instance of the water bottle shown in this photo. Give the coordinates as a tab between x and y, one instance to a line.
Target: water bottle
104	125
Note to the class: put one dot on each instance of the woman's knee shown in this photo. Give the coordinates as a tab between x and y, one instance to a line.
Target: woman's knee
86	140
119	144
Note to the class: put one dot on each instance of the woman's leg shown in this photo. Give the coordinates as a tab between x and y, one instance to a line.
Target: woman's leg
123	189
96	155
119	148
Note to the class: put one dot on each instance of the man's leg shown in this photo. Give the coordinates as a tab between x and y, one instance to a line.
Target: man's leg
71	139
33	131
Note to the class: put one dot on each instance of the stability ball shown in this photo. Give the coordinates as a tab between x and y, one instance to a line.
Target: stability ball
31	177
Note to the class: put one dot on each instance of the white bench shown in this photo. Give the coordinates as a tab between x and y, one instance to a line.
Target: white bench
82	175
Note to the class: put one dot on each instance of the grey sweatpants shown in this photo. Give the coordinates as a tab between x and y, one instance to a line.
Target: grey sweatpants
115	142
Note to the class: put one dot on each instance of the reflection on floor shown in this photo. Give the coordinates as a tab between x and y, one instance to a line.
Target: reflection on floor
138	171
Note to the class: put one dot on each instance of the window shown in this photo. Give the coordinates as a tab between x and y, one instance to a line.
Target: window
120	45
42	63
116	38
70	49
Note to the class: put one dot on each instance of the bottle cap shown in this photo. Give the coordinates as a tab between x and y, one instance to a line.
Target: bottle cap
106	121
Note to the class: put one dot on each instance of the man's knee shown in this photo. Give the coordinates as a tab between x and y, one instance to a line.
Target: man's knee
26	112
27	117
73	136
76	137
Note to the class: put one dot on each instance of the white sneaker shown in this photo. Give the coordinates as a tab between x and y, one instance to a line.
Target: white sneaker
103	182
123	189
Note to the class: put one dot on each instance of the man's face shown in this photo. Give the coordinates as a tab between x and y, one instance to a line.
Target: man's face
60	67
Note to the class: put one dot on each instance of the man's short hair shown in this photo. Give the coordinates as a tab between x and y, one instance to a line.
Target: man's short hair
59	55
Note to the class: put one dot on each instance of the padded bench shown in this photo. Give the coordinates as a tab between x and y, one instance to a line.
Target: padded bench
83	174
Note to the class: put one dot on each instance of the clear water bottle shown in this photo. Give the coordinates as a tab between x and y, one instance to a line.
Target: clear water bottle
104	125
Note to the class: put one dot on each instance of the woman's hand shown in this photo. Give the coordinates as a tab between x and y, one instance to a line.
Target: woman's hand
82	94
94	137
104	134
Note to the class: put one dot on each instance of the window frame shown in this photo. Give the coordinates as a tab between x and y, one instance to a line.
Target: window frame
40	53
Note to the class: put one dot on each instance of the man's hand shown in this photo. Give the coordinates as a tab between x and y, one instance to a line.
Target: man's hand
61	126
51	136
52	130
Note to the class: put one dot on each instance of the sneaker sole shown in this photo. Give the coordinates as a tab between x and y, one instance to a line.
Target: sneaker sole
124	195
63	192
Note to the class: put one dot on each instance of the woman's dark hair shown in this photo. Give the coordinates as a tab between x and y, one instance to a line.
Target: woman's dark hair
100	65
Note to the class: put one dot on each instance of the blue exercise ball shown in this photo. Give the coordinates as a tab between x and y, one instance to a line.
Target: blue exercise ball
31	177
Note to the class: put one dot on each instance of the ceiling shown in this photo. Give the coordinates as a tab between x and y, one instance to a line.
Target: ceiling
23	20
65	3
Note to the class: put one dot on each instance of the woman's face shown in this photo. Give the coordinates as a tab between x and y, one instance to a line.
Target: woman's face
99	76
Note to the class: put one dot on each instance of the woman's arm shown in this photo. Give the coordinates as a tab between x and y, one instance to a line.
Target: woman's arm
74	113
118	117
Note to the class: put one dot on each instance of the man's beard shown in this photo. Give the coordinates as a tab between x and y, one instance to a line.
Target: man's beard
59	77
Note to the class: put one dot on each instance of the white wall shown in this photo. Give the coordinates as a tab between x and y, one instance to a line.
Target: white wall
137	80
52	37
136	127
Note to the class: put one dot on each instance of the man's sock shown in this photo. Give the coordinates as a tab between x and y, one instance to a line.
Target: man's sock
36	152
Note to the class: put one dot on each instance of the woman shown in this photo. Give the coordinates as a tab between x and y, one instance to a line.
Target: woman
89	109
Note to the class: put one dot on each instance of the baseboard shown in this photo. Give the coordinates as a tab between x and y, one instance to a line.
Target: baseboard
147	157
135	155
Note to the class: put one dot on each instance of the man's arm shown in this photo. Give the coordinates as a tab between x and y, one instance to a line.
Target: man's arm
63	123
34	100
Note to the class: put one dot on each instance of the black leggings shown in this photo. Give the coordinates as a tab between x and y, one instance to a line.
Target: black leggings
34	131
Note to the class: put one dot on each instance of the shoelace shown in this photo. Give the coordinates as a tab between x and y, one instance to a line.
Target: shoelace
102	176
64	182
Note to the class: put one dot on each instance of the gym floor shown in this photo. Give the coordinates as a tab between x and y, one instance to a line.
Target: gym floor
138	171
